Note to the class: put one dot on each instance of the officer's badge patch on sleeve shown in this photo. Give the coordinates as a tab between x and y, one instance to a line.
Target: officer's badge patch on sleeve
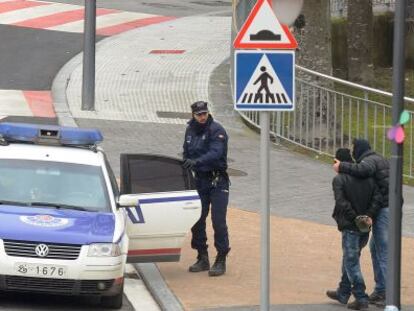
221	136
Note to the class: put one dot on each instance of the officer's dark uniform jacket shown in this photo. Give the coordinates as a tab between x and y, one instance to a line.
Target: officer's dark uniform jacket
206	143
354	197
369	164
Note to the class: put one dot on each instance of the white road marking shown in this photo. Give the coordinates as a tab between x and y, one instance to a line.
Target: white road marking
21	15
14	103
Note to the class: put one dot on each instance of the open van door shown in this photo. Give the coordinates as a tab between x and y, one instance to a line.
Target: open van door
161	203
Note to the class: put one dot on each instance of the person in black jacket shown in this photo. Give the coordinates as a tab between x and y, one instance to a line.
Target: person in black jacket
370	164
357	202
205	153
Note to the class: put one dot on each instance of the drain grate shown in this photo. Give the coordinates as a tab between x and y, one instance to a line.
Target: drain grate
174	115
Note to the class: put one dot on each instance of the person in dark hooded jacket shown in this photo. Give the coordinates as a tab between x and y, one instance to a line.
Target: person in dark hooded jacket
371	164
357	202
205	153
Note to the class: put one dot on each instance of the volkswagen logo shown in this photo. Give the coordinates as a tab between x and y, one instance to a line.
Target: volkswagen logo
42	250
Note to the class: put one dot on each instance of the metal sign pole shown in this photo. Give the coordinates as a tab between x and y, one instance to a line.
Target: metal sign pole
265	210
393	294
88	77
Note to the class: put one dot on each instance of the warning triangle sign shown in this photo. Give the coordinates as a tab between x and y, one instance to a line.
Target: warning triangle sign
264	86
262	30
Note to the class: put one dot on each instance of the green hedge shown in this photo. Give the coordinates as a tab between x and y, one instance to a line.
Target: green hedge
382	43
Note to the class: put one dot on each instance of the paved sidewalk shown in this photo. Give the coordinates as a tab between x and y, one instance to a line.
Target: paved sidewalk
142	104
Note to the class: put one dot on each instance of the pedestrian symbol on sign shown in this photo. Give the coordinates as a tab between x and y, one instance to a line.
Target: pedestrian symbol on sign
263	80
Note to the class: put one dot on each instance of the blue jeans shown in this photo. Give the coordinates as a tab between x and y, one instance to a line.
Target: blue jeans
379	249
352	280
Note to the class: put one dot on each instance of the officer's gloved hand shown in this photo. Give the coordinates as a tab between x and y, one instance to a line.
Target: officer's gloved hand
189	163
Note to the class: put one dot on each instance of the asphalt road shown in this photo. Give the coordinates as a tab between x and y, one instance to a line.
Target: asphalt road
18	302
31	58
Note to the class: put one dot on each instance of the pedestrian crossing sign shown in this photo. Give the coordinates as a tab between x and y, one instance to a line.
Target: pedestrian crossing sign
264	81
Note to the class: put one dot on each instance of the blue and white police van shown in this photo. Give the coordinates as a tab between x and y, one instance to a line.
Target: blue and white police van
66	228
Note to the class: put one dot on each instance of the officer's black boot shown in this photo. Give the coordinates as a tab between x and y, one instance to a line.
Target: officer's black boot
202	264
219	266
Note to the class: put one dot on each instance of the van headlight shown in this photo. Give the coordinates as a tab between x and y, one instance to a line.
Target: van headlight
104	250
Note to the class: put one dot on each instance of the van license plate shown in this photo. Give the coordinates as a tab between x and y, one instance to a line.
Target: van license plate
40	270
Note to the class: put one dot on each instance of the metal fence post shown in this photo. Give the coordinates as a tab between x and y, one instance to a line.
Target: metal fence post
278	126
366	96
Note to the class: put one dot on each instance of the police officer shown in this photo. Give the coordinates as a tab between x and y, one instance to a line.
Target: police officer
205	153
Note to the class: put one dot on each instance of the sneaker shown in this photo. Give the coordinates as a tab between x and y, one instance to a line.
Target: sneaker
358	305
333	294
380	304
377	299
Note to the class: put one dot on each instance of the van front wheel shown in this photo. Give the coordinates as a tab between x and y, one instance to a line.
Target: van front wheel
113	302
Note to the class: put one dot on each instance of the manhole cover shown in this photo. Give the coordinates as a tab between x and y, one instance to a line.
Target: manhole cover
174	115
213	3
165	5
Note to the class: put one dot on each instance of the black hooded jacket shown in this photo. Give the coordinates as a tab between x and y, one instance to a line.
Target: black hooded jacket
368	164
354	197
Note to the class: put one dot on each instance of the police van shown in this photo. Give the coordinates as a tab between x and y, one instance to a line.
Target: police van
66	228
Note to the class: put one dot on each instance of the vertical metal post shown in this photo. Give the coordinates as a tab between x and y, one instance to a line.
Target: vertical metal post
393	295
265	210
366	115
88	77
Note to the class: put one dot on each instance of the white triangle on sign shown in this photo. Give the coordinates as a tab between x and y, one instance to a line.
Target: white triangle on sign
262	30
264	87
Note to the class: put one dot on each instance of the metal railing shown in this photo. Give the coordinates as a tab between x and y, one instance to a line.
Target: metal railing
331	112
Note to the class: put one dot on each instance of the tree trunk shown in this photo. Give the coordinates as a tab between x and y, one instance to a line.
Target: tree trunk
410	35
314	37
314	114
360	33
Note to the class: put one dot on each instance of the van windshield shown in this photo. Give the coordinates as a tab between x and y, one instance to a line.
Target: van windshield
53	183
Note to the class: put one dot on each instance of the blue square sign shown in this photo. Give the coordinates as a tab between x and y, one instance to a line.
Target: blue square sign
264	81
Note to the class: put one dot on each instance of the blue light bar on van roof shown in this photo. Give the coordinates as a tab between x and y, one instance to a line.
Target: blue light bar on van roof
49	134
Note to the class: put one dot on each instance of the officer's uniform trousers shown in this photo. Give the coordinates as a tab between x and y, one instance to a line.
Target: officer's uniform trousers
214	192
